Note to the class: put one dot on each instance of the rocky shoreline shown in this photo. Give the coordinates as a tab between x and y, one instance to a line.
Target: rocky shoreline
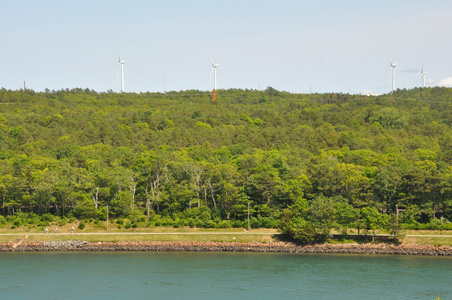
277	247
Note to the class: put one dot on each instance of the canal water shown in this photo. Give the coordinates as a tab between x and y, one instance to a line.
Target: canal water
188	275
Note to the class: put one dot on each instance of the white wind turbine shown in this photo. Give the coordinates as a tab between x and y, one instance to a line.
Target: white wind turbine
214	70
393	66
122	62
423	74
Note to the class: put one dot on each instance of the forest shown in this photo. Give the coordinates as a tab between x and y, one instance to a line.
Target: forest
268	158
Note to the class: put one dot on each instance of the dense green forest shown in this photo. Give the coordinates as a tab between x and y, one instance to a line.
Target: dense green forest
310	161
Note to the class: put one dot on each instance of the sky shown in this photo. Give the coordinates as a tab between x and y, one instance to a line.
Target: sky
296	46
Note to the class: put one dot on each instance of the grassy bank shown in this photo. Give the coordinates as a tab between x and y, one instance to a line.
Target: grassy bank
428	237
93	233
217	237
98	233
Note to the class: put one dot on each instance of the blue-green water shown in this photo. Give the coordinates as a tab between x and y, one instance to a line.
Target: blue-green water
222	276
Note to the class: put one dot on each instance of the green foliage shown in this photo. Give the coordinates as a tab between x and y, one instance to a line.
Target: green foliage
85	209
297	227
321	214
390	117
346	215
203	125
309	225
394	226
127	224
81	226
373	219
176	159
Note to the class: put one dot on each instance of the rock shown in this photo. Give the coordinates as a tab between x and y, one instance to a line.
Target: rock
73	245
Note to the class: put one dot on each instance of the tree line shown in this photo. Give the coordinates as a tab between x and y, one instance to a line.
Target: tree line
310	161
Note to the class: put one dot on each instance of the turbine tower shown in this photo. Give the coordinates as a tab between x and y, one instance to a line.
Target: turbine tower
122	62
393	66
214	70
423	74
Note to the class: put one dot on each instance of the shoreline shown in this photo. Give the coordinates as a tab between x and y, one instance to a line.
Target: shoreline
273	247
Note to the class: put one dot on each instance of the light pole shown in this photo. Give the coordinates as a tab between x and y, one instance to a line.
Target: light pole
248	216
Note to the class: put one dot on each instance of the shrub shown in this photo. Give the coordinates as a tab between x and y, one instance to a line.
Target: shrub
180	223
48	217
127	224
43	223
266	222
238	224
254	223
435	224
81	226
191	223
411	226
102	213
224	224
35	219
209	224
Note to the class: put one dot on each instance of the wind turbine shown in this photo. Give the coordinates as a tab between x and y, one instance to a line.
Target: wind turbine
214	70
393	66
423	74
122	62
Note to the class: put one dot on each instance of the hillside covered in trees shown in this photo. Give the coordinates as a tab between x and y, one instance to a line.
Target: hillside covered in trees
178	159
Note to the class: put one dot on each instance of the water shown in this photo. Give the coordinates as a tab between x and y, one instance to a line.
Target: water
222	276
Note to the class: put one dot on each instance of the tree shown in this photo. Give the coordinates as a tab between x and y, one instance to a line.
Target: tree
387	187
297	227
394	226
262	185
321	214
390	117
294	222
373	220
120	204
85	208
346	215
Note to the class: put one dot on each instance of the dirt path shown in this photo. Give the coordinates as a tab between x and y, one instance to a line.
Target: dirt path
189	233
19	242
145	233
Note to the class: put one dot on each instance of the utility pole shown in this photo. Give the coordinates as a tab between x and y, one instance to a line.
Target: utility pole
248	216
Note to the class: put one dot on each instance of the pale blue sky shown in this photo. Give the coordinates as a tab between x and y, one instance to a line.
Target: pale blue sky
296	46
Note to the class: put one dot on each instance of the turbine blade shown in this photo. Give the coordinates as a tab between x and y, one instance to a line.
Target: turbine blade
213	64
